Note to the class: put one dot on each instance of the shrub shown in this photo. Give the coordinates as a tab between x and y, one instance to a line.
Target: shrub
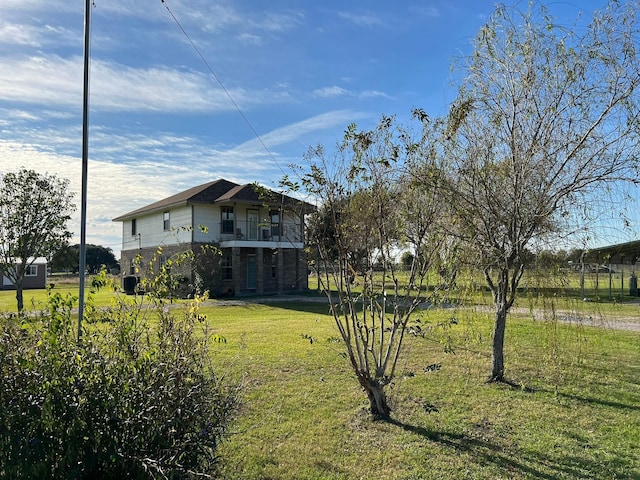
129	401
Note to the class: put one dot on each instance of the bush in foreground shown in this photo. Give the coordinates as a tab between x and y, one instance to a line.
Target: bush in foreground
127	402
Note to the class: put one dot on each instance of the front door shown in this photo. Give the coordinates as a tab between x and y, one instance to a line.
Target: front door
251	272
252	224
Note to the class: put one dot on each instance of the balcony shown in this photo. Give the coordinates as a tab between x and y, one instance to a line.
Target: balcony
253	234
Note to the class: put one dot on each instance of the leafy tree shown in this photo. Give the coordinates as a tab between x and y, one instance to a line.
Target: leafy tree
65	259
546	119
34	211
366	213
97	256
406	259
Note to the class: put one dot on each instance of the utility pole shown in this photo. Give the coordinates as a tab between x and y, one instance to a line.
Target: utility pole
85	162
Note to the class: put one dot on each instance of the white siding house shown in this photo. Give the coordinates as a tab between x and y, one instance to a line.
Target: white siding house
260	238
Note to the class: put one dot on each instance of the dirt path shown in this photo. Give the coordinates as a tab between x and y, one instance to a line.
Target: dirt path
597	319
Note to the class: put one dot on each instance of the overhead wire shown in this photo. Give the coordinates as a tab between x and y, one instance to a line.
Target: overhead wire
224	89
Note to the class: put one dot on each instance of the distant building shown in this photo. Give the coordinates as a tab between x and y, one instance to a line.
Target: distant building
34	277
259	236
621	258
616	256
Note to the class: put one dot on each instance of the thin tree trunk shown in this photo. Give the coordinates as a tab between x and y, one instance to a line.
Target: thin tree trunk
19	297
497	365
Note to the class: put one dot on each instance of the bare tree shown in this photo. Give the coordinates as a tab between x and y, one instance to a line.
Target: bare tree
366	212
546	120
34	211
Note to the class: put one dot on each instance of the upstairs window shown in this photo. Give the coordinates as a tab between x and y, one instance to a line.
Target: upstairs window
227	219
166	224
134	227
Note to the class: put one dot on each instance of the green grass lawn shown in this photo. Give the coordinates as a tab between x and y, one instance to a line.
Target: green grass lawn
573	411
35	299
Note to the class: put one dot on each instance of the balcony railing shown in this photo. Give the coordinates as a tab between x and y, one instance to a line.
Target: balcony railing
259	232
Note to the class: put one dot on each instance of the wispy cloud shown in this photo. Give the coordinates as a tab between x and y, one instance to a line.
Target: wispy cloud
336	91
279	22
218	18
373	94
15	34
362	19
36	5
57	81
329	92
324	121
250	39
41	80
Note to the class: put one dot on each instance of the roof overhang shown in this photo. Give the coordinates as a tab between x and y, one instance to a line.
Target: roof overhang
620	253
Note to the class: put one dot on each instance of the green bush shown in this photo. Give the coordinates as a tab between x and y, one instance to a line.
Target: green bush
129	401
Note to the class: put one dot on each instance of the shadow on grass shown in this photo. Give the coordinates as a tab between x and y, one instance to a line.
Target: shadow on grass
594	400
534	465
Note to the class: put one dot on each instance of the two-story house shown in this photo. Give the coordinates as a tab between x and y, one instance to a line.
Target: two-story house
258	235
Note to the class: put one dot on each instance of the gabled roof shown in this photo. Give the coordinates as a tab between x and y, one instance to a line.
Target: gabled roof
205	193
246	193
213	192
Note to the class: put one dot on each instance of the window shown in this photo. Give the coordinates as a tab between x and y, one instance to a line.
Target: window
134	227
227	219
31	271
275	222
165	263
227	270
132	267
166	224
274	266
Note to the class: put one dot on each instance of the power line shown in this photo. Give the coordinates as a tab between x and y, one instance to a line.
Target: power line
237	107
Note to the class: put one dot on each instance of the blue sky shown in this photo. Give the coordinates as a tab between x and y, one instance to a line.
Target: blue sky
160	122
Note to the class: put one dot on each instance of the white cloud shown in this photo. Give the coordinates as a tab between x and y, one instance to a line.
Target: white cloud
278	22
57	81
220	18
250	39
14	34
41	80
373	94
36	5
113	189
295	132
12	115
212	18
333	91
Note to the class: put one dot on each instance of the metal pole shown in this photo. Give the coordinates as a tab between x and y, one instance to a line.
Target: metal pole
582	277
85	162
